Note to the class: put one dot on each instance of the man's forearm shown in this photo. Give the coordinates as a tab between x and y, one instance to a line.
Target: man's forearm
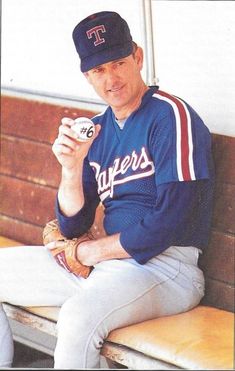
70	193
71	154
106	248
109	247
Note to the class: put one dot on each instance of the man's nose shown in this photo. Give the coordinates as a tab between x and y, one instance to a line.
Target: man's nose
111	76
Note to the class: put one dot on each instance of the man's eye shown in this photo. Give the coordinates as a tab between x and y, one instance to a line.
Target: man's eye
97	70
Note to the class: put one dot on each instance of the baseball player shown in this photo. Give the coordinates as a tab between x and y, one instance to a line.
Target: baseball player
149	163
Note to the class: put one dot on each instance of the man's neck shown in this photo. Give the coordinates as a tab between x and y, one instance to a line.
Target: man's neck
124	112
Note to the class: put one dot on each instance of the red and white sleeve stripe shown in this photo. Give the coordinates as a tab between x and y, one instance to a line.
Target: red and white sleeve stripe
184	142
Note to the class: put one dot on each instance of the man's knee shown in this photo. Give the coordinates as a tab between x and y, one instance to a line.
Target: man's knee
75	310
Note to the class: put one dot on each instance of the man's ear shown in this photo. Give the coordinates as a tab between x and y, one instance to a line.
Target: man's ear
139	57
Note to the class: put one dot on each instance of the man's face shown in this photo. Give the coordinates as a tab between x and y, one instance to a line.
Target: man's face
118	82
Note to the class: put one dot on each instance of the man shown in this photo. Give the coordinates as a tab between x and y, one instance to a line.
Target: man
150	165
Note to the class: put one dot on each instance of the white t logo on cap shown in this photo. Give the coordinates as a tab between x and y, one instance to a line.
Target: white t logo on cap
96	31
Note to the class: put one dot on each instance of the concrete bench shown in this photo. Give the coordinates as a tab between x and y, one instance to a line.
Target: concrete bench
202	338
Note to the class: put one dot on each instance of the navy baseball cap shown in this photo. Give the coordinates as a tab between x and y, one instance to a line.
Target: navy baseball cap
100	38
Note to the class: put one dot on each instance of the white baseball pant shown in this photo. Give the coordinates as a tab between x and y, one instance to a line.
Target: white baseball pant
117	293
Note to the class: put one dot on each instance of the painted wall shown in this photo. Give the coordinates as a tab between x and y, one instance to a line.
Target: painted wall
37	48
195	57
194	50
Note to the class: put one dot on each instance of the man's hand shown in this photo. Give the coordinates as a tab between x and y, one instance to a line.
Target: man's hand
71	153
67	149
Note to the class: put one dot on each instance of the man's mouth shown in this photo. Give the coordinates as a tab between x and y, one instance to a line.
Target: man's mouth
115	89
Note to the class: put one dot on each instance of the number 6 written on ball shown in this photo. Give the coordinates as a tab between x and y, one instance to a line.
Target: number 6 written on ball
84	128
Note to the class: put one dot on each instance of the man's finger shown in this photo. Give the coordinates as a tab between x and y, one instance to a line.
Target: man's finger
55	244
67	121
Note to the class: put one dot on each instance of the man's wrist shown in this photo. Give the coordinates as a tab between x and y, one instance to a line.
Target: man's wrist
72	175
70	193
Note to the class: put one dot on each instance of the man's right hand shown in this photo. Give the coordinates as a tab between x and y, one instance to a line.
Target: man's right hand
67	149
71	153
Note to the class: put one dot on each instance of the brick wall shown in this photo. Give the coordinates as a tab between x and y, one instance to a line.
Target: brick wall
30	173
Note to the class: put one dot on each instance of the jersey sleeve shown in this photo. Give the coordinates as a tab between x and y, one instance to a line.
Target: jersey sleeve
181	217
180	142
79	223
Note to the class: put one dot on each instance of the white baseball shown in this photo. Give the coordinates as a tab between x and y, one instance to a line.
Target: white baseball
84	128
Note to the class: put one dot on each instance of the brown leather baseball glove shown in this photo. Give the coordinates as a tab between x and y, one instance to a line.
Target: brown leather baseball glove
66	253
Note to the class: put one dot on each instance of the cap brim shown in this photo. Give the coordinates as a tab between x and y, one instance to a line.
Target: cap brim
105	56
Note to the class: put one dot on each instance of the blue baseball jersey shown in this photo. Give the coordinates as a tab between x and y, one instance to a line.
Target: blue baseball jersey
154	178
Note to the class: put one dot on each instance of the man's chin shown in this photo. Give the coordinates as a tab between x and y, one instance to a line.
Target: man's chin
116	100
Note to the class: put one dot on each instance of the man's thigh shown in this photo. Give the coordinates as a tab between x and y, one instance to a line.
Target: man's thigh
119	293
127	292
